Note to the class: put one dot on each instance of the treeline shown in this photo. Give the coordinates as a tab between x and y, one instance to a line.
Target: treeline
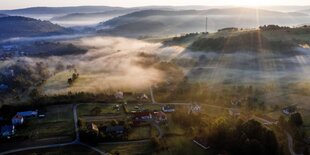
249	41
78	97
273	28
228	135
242	138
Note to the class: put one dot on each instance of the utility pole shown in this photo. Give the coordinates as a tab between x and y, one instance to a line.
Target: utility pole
206	30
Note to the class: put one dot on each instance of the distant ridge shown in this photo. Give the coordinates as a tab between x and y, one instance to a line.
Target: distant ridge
3	15
60	10
17	26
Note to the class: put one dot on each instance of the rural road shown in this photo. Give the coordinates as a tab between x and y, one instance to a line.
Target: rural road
76	141
290	144
160	132
37	147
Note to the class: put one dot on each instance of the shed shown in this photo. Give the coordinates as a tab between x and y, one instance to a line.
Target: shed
26	114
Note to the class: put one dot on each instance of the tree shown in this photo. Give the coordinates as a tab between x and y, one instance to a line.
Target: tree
70	81
296	119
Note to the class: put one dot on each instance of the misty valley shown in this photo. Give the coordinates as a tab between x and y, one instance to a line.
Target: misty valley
155	80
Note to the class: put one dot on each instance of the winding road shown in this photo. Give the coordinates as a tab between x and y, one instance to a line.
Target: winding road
290	144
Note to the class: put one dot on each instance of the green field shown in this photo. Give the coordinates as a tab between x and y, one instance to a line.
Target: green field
139	133
105	109
182	145
172	128
129	149
68	150
142	107
57	123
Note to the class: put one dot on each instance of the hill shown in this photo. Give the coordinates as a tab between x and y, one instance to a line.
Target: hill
91	16
60	10
16	26
186	21
3	15
272	38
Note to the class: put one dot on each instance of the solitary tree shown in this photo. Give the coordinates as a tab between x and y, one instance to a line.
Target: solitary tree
296	119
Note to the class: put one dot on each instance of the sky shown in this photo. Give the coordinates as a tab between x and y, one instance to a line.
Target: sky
13	4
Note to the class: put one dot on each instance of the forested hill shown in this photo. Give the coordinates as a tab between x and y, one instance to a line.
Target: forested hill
272	37
16	26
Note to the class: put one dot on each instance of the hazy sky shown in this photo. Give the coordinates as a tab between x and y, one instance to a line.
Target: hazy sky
11	4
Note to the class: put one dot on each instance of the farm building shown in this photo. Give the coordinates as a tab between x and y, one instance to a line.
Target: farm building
27	114
115	130
289	110
119	95
93	128
234	112
159	116
18	120
168	108
141	117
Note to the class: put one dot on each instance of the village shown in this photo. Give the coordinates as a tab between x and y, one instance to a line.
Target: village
132	118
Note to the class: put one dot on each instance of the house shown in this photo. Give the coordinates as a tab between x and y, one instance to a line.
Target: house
266	120
93	128
159	117
141	117
115	130
142	97
234	112
201	142
194	108
289	110
119	95
168	108
28	114
7	131
116	107
18	120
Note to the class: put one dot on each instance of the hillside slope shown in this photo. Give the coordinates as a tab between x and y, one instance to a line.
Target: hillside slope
60	10
185	21
16	26
281	39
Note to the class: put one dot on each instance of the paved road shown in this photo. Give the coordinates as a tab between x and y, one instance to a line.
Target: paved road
76	141
37	147
160	132
126	142
152	95
290	144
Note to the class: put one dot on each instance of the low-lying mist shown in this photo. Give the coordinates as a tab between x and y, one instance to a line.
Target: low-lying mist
116	63
111	63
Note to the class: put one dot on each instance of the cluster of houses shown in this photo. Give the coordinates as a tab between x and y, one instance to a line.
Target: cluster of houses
140	117
7	131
